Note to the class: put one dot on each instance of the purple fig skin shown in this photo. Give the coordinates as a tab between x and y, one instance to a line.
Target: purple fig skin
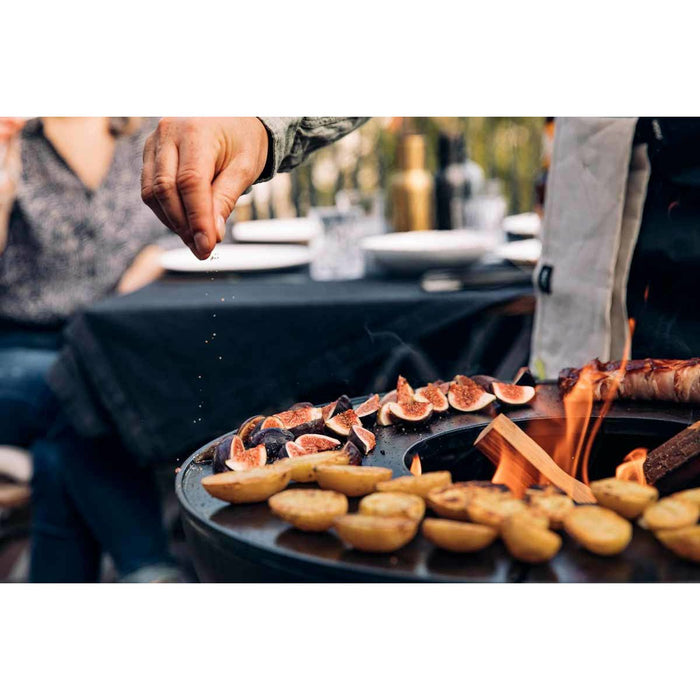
222	452
523	377
484	381
343	404
354	454
313	426
301	404
274	440
249	427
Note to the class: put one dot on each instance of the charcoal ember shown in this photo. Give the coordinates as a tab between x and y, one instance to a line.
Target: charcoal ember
341	423
342	405
313	442
248	427
467	396
271	422
411	411
434	394
273	439
354	455
524	377
291	449
483	380
363	439
367	411
512	394
384	415
222	452
404	391
389	397
253	458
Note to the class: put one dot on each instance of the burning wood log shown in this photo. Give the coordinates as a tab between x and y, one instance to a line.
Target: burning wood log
504	443
675	463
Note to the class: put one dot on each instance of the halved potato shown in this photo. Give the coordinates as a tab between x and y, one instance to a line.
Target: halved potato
671	513
309	509
251	486
692	495
627	498
599	530
552	502
451	501
683	541
304	465
352	481
418	485
526	539
388	505
457	536
371	533
492	508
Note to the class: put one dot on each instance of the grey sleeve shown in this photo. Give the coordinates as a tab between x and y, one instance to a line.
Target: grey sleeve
292	139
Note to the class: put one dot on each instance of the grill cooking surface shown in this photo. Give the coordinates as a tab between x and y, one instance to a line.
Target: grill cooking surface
246	542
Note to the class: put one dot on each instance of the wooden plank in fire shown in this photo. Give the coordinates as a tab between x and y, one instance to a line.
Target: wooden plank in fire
529	459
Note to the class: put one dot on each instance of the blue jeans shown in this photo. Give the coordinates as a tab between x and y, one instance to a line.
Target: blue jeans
87	495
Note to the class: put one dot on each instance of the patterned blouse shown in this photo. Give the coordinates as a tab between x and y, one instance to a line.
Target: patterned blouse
67	245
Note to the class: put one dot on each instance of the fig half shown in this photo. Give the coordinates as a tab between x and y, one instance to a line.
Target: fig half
273	439
312	442
249	426
411	411
271	422
435	396
384	415
291	449
341	423
404	391
512	394
253	458
342	405
368	410
389	397
363	439
299	421
467	396
524	377
483	380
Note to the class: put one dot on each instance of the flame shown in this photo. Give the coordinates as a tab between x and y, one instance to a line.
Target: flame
646	294
416	466
632	467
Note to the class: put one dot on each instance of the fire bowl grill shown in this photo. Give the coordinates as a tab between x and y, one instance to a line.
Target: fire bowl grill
247	543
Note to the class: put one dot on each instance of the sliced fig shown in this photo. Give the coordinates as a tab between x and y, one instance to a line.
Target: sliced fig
363	439
343	422
312	443
222	452
524	377
342	405
404	391
444	386
248	427
271	422
353	454
512	394
301	404
389	397
302	420
467	396
291	449
435	396
273	439
484	381
368	410
384	415
237	447
327	410
411	411
253	458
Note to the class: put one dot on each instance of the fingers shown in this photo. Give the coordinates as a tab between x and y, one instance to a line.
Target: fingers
147	175
165	191
228	186
194	184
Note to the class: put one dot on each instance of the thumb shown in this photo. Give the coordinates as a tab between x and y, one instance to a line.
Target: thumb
227	187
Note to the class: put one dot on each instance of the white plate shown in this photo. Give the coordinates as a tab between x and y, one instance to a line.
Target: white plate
300	230
422	250
526	225
238	258
524	253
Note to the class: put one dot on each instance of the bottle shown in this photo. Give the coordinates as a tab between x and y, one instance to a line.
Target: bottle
411	187
452	182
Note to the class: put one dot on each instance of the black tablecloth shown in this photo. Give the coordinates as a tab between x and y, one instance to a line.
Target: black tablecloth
185	359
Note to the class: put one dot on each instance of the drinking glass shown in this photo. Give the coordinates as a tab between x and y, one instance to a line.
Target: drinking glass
336	253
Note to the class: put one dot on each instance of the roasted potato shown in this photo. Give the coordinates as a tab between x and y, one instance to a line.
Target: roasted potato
599	530
309	509
393	505
627	498
304	465
552	502
352	481
671	513
527	540
692	495
371	533
683	541
492	508
250	486
418	485
457	536
451	501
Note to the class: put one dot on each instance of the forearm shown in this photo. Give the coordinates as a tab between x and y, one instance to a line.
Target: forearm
293	139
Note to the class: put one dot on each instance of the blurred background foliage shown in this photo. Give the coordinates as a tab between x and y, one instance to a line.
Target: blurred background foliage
507	148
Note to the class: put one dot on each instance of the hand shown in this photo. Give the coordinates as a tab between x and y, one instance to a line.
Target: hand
145	268
194	171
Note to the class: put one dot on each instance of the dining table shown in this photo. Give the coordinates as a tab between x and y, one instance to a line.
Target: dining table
188	357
